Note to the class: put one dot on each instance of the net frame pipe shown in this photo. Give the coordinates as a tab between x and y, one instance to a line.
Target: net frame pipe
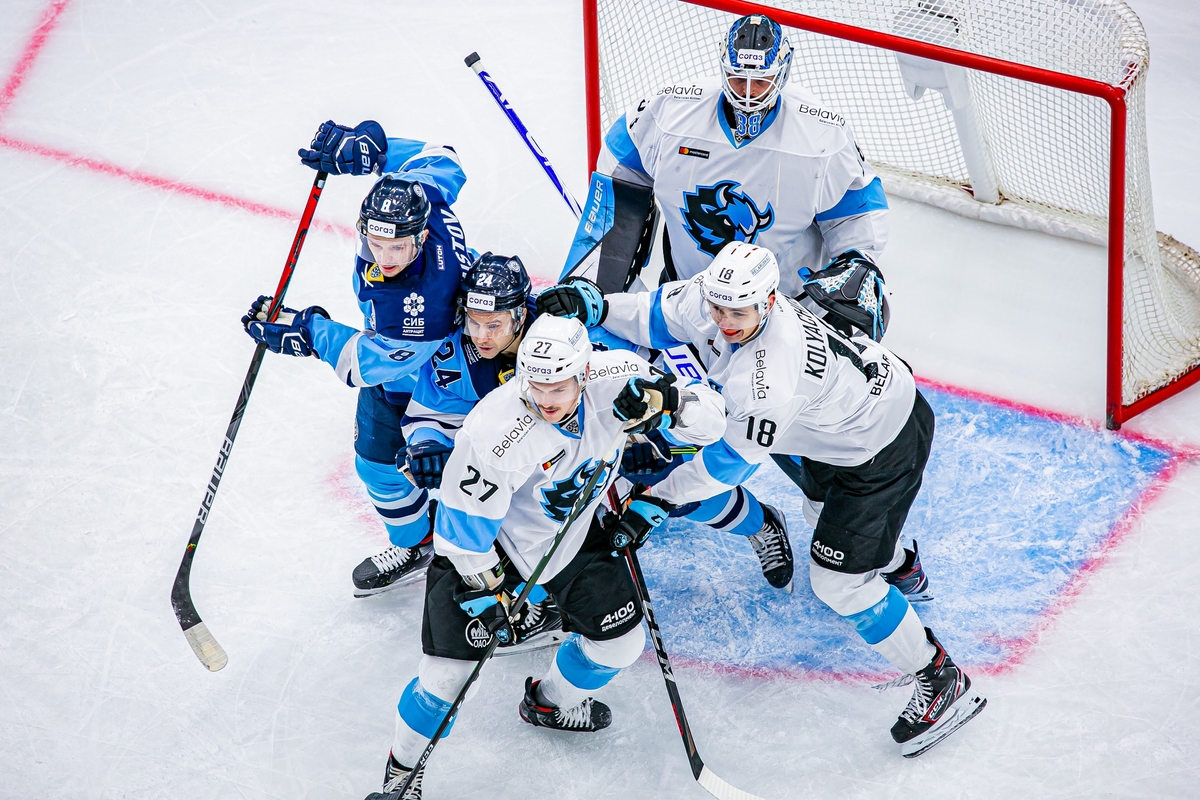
1116	412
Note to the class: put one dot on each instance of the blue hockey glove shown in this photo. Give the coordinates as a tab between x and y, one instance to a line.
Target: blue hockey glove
425	462
489	606
650	403
642	459
644	514
578	297
289	334
340	150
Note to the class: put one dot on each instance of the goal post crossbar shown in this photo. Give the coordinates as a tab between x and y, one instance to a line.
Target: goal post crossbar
1116	410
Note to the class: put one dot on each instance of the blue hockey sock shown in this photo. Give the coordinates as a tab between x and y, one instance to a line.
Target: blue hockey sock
736	511
422	711
403	508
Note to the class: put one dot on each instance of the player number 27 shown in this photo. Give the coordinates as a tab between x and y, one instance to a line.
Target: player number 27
475	477
766	431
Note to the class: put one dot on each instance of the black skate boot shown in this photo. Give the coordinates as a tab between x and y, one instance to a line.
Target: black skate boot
394	776
396	566
540	626
773	549
910	579
590	715
942	702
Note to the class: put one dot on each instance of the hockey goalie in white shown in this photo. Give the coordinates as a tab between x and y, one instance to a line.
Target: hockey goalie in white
750	158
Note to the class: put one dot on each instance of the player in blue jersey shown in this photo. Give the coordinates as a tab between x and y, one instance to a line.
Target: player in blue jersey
410	260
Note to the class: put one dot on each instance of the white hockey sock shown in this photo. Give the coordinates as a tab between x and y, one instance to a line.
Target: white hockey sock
581	666
425	702
907	647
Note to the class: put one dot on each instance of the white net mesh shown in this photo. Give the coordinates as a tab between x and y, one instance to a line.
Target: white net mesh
1045	150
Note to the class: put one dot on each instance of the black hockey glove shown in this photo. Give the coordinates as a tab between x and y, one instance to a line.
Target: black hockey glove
340	150
489	606
425	462
578	297
290	333
641	517
645	458
851	290
651	404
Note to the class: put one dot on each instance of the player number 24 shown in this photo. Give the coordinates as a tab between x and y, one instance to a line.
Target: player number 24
766	431
475	477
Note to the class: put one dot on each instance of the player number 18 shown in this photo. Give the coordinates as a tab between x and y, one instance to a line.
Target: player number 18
766	431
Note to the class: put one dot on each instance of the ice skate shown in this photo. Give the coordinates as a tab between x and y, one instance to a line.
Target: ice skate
773	549
942	702
590	715
393	778
910	578
540	626
391	569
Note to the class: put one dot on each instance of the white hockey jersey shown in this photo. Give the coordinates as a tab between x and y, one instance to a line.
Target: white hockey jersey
799	388
800	188
513	477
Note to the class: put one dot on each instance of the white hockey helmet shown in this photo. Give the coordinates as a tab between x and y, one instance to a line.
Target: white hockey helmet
554	349
741	275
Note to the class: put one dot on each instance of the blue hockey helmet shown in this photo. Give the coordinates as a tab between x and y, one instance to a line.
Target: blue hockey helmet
394	208
851	289
494	283
755	63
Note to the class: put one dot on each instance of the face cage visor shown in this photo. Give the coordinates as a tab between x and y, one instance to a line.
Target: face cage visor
506	326
753	90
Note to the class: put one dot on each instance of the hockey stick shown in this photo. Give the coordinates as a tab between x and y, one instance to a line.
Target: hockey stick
581	503
704	776
472	61
206	648
682	362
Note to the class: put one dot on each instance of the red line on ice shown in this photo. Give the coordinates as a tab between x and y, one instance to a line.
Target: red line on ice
37	40
165	184
16	79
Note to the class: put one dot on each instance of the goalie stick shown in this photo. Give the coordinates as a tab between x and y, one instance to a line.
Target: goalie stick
580	504
206	648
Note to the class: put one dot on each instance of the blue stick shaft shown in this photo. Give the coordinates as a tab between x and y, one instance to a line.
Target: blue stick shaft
472	61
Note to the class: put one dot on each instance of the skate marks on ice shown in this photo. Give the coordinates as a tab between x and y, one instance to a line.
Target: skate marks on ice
1017	508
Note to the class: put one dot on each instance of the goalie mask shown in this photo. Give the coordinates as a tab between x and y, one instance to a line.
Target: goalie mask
851	289
555	350
755	63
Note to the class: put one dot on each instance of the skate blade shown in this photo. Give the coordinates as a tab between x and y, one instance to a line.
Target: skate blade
919	597
965	709
790	588
410	578
540	642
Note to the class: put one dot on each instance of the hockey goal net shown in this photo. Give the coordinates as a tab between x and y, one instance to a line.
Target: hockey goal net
1022	112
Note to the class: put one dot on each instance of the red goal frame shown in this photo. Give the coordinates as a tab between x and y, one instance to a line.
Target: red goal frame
1116	412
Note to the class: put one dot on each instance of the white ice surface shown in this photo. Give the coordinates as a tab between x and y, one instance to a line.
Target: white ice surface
121	359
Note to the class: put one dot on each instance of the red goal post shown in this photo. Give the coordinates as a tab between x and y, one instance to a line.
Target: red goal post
1055	64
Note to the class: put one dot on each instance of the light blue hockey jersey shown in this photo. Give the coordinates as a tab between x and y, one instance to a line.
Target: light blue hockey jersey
406	318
